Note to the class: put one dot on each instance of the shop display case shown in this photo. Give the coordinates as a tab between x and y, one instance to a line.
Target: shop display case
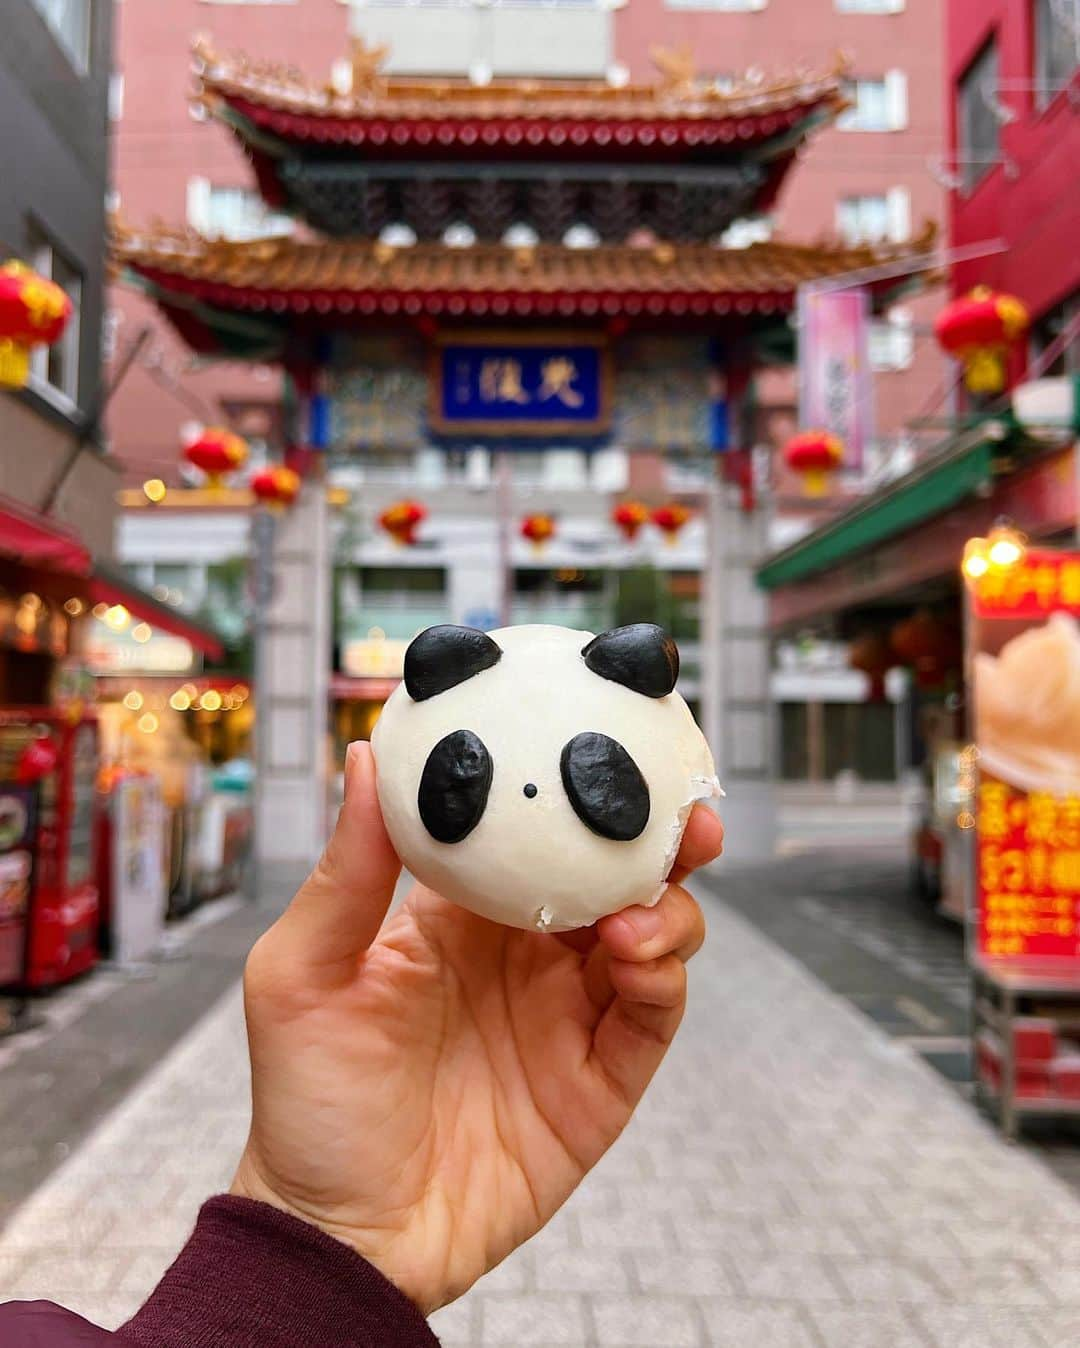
61	923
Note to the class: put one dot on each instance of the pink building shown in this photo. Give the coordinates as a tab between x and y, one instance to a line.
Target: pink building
876	175
872	178
167	165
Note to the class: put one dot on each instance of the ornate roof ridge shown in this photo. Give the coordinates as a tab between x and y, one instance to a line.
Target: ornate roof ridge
183	243
677	93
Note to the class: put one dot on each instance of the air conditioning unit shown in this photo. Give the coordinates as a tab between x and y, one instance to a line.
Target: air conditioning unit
1048	403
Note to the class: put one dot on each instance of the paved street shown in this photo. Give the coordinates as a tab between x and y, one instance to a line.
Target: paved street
796	1178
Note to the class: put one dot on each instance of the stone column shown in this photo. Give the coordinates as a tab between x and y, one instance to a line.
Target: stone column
292	673
736	703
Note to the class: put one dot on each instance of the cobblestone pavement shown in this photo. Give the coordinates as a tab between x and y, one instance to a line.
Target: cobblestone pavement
848	915
795	1179
97	1038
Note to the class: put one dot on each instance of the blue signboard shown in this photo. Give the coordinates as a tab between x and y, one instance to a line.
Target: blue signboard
512	386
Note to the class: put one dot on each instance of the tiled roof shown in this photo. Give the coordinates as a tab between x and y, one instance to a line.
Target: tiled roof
298	276
435	106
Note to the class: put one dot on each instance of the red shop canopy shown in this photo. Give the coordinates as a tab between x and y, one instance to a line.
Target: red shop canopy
36	540
108	587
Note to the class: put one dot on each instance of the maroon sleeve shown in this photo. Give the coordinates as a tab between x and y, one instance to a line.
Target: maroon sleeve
254	1277
40	1324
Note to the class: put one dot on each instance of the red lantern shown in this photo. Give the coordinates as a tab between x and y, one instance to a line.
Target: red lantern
629	517
929	647
33	312
538	529
871	655
814	454
401	521
978	329
37	760
669	519
276	487
217	452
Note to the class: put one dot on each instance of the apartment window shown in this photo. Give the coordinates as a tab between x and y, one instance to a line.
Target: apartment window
1048	330
875	218
978	122
232	212
892	342
116	96
54	370
178	584
878	104
69	21
1057	46
870	6
749	230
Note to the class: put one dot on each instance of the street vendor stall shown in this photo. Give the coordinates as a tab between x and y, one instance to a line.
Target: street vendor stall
1024	678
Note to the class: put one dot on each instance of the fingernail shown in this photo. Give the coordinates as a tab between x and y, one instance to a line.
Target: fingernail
350	764
646	922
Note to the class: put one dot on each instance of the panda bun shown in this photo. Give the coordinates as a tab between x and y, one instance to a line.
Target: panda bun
539	776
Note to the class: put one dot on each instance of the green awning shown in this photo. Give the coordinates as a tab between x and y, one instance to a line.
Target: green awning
957	471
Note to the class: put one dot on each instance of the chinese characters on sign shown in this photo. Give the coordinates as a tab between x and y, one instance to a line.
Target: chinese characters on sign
835	385
1029	871
1026	654
1041	584
521	388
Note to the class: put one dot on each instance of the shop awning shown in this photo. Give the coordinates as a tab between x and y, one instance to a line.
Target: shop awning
36	540
959	470
1039	495
109	587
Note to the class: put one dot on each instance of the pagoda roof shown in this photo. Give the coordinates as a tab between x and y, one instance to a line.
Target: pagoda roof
385	114
332	283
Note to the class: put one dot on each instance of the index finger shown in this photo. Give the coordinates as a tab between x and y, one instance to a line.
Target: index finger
702	842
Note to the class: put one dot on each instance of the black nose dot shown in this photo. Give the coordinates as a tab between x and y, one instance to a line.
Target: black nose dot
530	789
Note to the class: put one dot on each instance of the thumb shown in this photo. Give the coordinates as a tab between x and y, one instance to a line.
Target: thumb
338	910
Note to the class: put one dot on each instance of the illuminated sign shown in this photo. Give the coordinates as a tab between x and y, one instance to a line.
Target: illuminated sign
373	658
109	652
1026	689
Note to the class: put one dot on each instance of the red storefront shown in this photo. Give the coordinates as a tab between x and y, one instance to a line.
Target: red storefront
50	803
1013	99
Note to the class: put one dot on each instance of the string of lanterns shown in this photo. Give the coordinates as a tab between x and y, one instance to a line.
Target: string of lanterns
929	647
402	520
670	519
34	311
979	329
217	452
814	455
276	487
630	517
538	528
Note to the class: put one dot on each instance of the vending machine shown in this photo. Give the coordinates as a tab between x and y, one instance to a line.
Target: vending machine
56	755
132	867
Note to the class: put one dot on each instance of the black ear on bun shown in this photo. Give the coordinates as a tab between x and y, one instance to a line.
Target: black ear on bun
642	657
442	657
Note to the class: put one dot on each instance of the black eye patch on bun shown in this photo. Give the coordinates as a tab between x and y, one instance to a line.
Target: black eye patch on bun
605	786
444	656
642	657
454	786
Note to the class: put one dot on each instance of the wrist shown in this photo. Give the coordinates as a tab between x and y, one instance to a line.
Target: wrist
250	1182
253	1276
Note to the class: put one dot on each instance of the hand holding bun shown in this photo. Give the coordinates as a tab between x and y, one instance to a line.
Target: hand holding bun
538	776
431	1087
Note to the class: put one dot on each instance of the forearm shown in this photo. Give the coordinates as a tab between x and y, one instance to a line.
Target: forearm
254	1277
